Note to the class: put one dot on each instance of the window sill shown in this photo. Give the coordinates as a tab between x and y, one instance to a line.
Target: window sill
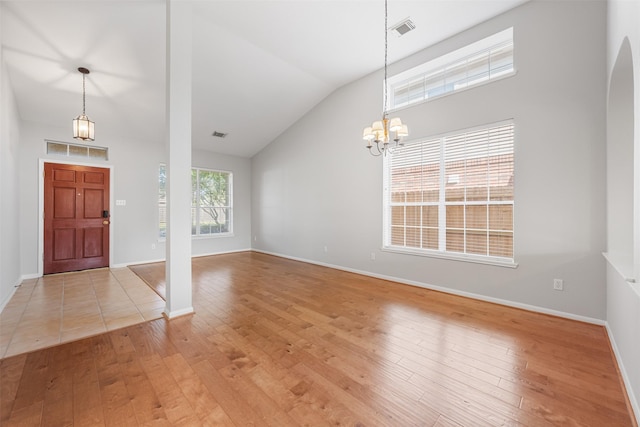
212	236
623	264
208	236
498	262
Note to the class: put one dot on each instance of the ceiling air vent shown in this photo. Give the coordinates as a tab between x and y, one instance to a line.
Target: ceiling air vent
219	134
403	27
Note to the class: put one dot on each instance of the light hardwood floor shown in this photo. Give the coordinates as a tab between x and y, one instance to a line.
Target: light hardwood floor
65	307
284	343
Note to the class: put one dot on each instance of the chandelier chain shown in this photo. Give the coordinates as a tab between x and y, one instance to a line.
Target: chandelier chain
385	135
384	89
83	95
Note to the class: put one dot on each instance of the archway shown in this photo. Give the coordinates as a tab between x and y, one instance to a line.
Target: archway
620	163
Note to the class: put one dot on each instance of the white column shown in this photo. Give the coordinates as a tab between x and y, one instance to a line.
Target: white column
178	68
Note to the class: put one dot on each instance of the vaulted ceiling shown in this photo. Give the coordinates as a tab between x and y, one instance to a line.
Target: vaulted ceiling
258	66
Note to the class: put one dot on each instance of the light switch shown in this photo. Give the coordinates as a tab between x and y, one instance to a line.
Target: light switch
121	202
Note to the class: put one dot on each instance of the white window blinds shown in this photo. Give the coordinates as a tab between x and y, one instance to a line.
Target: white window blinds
453	194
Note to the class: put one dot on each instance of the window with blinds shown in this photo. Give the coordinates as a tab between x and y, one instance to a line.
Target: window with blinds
453	195
487	59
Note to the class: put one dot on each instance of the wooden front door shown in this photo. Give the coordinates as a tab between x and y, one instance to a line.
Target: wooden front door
76	217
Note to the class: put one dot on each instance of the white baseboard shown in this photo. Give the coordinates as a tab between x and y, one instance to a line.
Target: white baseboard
127	264
635	406
150	261
222	252
8	297
178	313
479	297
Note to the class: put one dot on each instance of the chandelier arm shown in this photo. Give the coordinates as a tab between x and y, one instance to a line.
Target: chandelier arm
378	153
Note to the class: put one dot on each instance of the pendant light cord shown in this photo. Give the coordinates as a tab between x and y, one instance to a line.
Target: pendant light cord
83	92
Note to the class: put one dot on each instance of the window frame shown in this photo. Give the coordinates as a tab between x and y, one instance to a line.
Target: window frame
443	65
198	206
197	235
442	203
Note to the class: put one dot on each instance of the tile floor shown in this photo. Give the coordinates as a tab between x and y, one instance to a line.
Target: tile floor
65	307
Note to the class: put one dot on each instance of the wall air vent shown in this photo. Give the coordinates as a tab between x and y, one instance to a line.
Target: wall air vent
219	134
403	27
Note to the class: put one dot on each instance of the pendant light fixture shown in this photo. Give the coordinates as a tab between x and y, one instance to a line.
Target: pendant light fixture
378	135
83	127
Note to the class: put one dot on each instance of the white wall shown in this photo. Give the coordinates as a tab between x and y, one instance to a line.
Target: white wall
135	175
316	186
623	297
9	213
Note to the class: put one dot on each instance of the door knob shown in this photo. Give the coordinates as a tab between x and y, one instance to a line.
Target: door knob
105	222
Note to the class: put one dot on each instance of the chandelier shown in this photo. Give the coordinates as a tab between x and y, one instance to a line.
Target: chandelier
83	127
379	134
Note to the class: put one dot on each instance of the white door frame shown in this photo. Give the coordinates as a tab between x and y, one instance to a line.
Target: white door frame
41	205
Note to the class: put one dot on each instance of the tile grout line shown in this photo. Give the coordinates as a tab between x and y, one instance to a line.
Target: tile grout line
130	299
67	293
15	328
62	309
93	288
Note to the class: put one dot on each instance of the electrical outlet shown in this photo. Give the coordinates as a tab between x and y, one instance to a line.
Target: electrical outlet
373	256
153	246
558	284
325	249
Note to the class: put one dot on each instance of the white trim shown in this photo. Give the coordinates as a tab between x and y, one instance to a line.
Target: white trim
440	66
528	307
453	256
127	264
623	269
221	252
178	313
412	160
11	294
464	89
41	162
151	261
212	236
635	407
198	206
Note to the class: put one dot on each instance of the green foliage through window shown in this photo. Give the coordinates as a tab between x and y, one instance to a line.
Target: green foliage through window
211	202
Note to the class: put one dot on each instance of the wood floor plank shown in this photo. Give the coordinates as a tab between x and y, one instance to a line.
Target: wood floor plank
145	401
204	405
116	403
26	416
33	382
57	407
280	342
87	404
10	377
176	406
231	402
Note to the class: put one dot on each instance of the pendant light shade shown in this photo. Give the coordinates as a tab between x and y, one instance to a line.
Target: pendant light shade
83	127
